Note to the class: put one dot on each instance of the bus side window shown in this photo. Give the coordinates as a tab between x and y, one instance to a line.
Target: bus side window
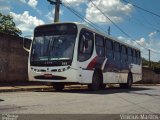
124	54
85	47
134	56
130	54
138	58
100	45
117	54
109	48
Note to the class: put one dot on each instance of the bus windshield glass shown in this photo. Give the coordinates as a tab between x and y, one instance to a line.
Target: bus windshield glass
53	42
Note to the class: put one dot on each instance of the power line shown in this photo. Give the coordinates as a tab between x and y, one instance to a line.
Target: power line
119	27
144	53
115	24
79	16
146	20
149	24
155	52
93	25
58	2
83	18
143	9
109	19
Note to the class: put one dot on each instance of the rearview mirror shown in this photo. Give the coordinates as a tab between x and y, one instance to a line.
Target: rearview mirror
27	40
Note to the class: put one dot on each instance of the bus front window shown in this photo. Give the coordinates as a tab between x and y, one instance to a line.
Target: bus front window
52	47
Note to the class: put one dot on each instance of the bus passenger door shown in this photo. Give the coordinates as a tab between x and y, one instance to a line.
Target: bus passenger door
85	50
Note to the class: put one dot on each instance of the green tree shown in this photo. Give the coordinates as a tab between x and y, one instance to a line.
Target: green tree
8	26
144	62
153	63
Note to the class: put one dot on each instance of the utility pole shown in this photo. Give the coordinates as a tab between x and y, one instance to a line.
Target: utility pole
57	9
149	64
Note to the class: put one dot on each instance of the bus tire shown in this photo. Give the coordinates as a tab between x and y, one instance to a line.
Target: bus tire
103	86
129	82
97	82
58	86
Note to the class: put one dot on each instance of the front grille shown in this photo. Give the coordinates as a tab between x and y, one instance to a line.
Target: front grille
53	77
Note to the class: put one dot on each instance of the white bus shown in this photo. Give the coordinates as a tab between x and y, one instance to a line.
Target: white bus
71	53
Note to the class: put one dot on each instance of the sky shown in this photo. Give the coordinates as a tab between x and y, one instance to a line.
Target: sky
142	27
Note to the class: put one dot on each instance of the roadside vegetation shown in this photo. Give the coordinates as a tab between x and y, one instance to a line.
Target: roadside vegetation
155	66
8	26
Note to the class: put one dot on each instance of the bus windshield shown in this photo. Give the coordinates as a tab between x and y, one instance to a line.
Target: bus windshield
53	45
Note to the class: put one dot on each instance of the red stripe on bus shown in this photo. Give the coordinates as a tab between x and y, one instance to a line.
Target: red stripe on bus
92	63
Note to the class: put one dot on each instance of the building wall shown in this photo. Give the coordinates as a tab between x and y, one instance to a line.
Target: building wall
149	76
13	59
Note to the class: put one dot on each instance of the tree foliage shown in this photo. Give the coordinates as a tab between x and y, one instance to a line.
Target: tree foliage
8	26
144	62
155	66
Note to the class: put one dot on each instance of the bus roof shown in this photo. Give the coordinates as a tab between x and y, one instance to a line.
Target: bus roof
95	31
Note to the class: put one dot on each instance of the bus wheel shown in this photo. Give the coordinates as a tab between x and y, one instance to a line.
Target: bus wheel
58	86
96	82
103	86
129	82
